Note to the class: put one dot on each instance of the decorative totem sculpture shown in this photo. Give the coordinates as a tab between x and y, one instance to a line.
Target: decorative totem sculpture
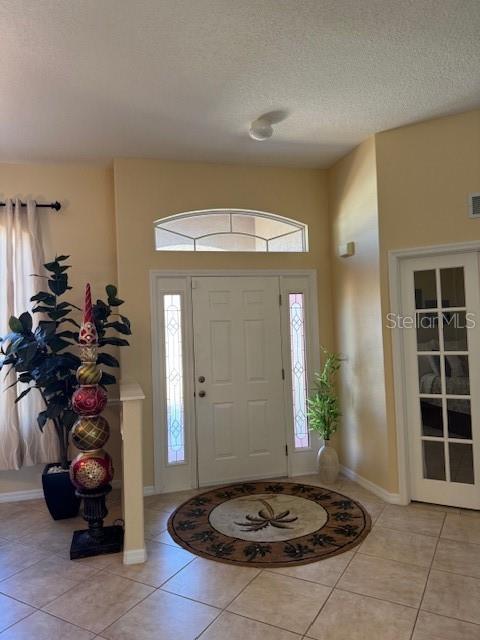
91	471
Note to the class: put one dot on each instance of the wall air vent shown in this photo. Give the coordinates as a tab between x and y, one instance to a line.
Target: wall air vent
474	205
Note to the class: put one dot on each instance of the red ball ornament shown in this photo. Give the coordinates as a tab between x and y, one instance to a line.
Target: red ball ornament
91	470
89	401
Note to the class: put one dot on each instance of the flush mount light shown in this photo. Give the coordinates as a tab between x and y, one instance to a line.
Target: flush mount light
261	129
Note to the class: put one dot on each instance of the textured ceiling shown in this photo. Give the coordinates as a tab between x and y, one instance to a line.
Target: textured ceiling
182	79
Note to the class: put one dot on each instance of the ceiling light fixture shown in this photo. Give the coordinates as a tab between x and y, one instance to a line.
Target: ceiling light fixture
261	129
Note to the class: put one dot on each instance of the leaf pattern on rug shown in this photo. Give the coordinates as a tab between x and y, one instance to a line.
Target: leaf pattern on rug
266	518
322	540
297	551
343	504
274	488
347	530
320	496
301	488
222	549
184	525
225	494
252	551
245	488
196	513
204	536
200	501
343	516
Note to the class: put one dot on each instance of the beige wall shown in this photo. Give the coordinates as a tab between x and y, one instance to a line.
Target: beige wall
146	190
420	175
353	210
425	173
85	230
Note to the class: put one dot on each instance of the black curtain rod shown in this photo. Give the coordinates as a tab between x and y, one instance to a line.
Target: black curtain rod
47	205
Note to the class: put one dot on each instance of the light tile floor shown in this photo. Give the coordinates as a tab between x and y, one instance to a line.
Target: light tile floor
415	577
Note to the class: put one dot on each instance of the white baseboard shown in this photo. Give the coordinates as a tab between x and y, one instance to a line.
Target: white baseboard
134	556
149	490
34	494
17	496
392	498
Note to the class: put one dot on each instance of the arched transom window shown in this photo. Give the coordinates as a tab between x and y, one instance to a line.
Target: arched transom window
230	230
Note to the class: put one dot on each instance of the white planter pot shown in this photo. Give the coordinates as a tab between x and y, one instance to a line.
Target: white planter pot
328	464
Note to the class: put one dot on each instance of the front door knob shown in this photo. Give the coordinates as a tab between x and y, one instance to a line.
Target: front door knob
202	394
201	378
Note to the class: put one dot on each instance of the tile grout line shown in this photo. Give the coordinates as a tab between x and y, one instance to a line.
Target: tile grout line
441	570
105	569
337	581
94	574
225	609
47	613
381	599
229	603
47	557
241	615
18	621
428	576
410	564
143	599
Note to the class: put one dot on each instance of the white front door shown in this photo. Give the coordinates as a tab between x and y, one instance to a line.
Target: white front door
442	364
239	386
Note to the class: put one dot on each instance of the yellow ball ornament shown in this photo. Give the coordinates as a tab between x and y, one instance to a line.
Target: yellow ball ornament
89	374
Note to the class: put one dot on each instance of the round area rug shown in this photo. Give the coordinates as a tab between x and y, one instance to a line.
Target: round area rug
274	524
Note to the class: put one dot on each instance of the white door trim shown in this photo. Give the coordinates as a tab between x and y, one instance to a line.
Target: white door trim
304	460
395	258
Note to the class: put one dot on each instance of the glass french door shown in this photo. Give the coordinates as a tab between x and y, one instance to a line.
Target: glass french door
441	328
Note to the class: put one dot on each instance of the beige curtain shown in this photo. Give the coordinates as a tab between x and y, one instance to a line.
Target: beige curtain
21	441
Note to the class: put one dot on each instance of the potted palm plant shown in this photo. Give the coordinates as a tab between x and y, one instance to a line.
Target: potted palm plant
42	357
324	414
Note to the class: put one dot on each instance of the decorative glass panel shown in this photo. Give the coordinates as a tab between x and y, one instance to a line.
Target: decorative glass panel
230	242
459	419
168	241
429	380
432	417
199	225
425	289
453	287
174	378
230	230
262	226
457	376
461	463
434	459
455	330
427	332
299	369
286	243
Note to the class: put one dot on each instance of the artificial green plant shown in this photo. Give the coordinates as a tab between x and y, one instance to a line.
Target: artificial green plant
323	407
41	356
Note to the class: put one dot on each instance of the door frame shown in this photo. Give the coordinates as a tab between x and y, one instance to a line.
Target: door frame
395	261
184	476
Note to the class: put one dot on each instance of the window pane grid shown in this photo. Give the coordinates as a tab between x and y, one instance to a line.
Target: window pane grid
298	369
444	380
174	379
235	230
